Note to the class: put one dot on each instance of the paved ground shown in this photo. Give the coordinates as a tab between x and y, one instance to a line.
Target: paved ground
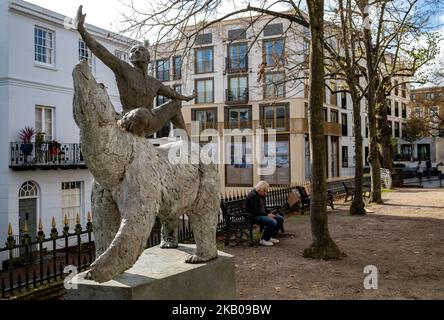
404	239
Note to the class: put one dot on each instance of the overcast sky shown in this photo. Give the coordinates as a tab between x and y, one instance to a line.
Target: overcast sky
101	13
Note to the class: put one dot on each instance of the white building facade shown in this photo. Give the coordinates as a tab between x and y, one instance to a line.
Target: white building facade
223	68
37	56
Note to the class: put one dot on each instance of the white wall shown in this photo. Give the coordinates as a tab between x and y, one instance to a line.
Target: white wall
23	85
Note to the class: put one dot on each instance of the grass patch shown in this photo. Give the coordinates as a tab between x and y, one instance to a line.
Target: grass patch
384	190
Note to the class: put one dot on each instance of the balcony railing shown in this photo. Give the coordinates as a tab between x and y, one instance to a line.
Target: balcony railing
45	155
279	124
236	66
236	97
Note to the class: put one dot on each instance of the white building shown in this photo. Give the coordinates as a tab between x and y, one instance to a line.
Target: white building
223	69
37	57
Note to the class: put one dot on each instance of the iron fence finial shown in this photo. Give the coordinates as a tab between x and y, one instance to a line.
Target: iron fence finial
89	216
53	224
10	230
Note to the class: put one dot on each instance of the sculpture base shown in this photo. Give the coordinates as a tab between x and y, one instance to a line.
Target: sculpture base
162	274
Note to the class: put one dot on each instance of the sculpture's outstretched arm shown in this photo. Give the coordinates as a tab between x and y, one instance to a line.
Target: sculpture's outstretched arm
114	63
166	91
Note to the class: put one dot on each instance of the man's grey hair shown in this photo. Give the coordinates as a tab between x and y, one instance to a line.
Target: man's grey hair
262	185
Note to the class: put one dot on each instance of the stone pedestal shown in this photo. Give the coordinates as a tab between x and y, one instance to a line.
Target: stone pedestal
162	274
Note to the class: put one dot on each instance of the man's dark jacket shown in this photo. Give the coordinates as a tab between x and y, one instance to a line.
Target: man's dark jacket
255	204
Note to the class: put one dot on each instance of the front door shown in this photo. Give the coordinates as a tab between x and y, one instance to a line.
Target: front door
28	214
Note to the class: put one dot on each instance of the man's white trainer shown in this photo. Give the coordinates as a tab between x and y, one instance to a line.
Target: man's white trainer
265	243
275	241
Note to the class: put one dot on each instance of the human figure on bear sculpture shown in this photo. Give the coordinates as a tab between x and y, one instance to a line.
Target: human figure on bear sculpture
137	89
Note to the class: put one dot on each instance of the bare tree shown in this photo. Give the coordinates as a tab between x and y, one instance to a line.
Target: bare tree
180	21
322	246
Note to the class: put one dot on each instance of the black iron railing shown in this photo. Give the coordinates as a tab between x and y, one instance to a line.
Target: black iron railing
45	154
32	263
236	65
236	97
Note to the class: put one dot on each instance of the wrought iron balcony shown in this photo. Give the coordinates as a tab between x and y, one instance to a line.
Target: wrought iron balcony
47	155
236	97
236	66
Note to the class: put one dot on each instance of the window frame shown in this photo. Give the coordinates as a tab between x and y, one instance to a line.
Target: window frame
166	62
43	121
265	96
52	49
194	112
196	62
197	92
286	105
264	53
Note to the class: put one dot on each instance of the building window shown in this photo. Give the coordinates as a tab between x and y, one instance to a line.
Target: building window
239	118
334	118
85	54
344	156
237	57
177	68
325	114
282	173
204	60
160	100
178	88
406	152
344	124
389	107
273	54
163	70
237	89
43	46
430	96
334	161
344	100
274	85
122	55
239	170
366	153
273	29
71	202
397	130
207	118
419	112
403	128
423	152
404	111
205	38
396	88
275	117
333	94
205	91
44	121
396	109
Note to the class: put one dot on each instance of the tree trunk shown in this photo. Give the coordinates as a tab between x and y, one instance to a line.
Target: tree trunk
385	133
323	246
357	206
375	164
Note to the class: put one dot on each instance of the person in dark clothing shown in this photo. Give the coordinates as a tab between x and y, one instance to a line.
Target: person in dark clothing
271	221
428	168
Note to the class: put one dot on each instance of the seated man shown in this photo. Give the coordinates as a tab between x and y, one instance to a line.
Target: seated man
271	221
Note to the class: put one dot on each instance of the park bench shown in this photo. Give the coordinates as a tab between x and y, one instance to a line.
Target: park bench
237	221
349	188
305	198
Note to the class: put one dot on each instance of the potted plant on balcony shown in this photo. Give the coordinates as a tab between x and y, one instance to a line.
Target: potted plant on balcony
54	149
26	135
